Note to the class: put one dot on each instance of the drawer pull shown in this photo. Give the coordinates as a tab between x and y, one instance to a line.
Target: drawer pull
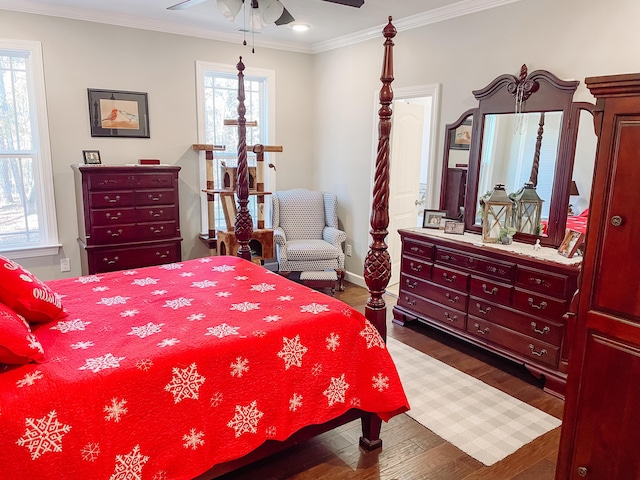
113	217
110	181
541	353
540	306
116	233
162	255
415	267
493	291
107	198
544	331
485	311
156	230
445	257
539	281
411	284
451	318
481	331
154	198
452	299
410	301
416	250
112	261
448	278
492	269
156	214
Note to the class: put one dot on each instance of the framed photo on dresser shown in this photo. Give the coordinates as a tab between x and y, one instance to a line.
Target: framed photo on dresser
433	218
572	241
91	157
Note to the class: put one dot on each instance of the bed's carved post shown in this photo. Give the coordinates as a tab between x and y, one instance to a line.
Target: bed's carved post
377	265
244	223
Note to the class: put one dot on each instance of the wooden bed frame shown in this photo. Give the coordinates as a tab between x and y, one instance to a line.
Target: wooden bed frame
377	265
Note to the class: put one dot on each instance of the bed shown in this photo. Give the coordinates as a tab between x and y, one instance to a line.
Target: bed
195	368
577	223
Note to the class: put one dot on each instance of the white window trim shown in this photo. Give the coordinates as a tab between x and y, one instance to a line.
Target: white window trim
45	180
270	75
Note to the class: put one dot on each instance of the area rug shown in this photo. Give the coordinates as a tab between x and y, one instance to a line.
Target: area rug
479	419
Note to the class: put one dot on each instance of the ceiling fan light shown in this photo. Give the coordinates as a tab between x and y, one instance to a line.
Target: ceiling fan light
299	27
257	21
271	10
230	8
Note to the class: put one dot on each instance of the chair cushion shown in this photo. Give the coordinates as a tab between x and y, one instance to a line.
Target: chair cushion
303	250
301	213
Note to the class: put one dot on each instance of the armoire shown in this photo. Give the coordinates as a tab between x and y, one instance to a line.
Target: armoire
600	437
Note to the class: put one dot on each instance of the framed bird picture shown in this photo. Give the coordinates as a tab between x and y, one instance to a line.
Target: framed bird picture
114	113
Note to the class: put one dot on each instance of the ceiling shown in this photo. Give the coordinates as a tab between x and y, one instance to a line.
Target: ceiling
332	25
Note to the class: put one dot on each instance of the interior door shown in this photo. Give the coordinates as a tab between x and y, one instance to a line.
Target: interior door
405	159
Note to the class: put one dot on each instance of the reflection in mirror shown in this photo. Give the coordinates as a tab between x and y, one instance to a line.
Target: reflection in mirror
517	148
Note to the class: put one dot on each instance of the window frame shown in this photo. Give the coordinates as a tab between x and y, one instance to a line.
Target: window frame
41	154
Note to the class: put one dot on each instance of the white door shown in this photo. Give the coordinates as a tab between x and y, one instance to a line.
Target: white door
407	133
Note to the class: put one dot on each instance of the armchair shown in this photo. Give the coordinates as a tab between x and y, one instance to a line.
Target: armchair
306	234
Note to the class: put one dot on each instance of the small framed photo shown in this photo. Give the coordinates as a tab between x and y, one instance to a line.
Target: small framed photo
114	113
572	241
433	218
451	226
91	157
461	136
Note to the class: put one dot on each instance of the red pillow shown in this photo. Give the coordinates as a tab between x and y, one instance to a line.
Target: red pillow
585	213
17	344
27	295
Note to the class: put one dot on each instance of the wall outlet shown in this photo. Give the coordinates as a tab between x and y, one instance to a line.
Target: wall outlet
348	250
65	266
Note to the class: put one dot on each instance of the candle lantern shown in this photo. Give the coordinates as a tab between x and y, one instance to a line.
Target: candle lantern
528	207
498	210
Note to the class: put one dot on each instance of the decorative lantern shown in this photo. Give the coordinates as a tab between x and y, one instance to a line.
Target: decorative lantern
497	214
527	210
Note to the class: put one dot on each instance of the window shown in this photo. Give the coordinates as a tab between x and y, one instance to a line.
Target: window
27	207
218	101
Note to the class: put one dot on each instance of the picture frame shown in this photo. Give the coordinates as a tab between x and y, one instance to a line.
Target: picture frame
570	244
451	226
91	157
433	218
115	113
461	137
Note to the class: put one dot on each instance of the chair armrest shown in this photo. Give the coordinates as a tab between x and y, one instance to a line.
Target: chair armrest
279	237
334	236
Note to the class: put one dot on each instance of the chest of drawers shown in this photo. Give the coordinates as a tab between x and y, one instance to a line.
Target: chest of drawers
128	216
509	303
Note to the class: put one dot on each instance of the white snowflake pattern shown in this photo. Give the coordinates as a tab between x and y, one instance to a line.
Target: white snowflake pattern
144	364
196	317
129	466
129	313
240	366
216	399
88	279
187	274
204	284
168	342
245	306
222	330
171	266
160	475
314	308
336	391
271	432
223	294
82	345
347	312
372	336
101	363
110	301
263	287
295	402
241	277
144	331
99	289
29	379
246	419
259	333
159	292
380	382
193	440
178	303
333	341
142	282
355	402
285	298
43	435
185	383
292	352
91	452
116	410
205	260
34	343
272	318
223	268
130	272
70	325
316	370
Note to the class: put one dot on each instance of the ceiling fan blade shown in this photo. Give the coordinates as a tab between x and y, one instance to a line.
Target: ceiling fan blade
348	3
185	4
285	18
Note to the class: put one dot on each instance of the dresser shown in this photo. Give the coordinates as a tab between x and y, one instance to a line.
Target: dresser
508	299
600	429
128	216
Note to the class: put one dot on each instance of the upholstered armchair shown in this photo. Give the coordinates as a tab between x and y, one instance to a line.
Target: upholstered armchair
306	234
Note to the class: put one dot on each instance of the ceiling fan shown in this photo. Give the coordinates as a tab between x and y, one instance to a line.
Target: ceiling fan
263	11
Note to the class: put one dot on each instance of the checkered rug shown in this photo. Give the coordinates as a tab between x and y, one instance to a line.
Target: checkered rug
479	419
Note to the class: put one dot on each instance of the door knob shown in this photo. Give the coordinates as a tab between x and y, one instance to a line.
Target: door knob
616	221
582	471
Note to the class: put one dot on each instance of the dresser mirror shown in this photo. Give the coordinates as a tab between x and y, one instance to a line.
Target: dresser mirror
524	129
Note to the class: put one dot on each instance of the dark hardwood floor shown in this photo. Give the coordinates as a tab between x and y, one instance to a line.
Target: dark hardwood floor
411	451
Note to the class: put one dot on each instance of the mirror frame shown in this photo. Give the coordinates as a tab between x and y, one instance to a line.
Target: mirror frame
543	92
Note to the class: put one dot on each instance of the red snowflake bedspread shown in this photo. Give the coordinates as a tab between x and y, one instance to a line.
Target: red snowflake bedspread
162	372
